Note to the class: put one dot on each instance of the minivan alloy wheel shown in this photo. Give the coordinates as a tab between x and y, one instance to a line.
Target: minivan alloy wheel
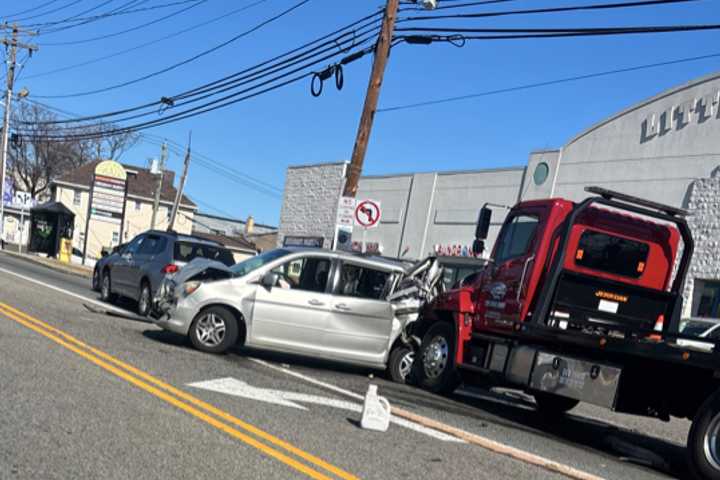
210	330
406	363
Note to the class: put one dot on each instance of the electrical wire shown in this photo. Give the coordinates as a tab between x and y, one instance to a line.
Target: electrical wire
38	7
123	32
183	62
78	20
597	6
337	39
147	44
74	2
546	83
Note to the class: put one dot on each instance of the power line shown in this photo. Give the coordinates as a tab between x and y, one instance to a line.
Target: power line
186	61
38	7
597	6
335	40
123	32
74	2
147	44
545	84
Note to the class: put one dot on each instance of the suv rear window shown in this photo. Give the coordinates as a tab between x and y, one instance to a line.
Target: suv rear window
611	254
188	251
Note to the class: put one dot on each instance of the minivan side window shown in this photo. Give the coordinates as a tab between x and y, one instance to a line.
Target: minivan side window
363	282
307	273
516	238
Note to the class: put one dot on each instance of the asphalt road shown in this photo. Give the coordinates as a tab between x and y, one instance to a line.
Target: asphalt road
90	395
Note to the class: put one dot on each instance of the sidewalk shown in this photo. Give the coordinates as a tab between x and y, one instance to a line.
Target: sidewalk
78	270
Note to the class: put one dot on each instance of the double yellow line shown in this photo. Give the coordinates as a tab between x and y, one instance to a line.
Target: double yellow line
268	444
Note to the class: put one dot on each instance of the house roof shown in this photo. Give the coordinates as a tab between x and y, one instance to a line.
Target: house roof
233	243
264	241
141	182
53	207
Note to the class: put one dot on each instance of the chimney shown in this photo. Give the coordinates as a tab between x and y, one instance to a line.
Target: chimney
249	225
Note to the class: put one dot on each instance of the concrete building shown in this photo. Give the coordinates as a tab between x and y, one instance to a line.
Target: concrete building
73	190
665	149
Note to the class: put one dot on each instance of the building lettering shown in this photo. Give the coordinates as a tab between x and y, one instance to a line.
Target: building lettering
690	112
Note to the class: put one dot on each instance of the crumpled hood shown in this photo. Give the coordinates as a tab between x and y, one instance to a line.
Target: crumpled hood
204	268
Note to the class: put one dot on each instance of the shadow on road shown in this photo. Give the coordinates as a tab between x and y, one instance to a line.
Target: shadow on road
516	412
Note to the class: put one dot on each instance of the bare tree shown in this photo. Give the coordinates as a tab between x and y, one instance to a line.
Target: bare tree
45	151
34	159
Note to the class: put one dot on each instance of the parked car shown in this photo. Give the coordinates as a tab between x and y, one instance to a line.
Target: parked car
701	328
325	304
138	270
100	264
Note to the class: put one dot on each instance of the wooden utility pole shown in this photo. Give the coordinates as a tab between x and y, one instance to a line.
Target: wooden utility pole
181	187
158	187
382	50
12	44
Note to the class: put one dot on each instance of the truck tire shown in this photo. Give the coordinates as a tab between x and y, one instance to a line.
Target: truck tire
400	363
434	367
551	404
214	330
703	445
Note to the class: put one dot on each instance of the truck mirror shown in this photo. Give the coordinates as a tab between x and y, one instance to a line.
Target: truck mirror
483	224
478	247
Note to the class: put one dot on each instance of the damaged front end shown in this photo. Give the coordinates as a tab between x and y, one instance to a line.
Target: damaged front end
419	286
198	270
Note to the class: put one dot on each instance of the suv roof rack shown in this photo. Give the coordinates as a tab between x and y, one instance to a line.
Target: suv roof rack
623	197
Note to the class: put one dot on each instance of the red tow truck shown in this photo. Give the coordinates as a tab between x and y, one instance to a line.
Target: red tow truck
581	302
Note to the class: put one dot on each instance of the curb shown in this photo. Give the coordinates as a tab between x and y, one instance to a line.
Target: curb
49	264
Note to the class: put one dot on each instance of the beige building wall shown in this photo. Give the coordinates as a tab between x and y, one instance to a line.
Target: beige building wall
138	216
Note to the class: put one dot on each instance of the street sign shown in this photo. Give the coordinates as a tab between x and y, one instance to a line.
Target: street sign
23	199
346	211
367	214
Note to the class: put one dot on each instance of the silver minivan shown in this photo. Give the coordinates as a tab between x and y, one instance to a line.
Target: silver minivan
319	303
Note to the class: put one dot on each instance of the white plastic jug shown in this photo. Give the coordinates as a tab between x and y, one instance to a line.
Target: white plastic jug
376	411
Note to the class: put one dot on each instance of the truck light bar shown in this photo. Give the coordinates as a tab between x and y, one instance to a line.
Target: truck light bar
612	195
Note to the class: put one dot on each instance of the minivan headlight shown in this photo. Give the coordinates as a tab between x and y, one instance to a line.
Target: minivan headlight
189	288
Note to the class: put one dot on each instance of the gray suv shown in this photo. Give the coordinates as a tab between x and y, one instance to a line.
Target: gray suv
139	270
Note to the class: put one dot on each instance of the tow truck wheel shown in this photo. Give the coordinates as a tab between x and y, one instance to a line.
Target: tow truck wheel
703	445
552	404
434	367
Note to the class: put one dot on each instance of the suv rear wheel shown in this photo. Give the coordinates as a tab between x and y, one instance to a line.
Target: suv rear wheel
145	300
106	294
214	330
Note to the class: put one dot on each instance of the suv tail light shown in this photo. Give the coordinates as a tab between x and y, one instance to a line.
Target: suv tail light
170	268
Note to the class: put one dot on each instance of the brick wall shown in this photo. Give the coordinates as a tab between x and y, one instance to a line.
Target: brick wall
310	201
704	204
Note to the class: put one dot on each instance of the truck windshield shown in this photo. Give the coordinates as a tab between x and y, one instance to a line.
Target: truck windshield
611	254
253	263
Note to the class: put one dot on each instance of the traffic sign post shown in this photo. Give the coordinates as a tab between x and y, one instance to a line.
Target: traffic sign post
367	216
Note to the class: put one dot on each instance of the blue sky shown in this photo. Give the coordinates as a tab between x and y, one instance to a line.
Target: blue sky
265	135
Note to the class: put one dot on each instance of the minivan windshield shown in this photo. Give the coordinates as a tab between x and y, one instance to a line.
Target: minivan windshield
253	263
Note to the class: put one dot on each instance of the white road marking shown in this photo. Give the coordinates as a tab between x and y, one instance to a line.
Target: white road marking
238	388
104	305
457	433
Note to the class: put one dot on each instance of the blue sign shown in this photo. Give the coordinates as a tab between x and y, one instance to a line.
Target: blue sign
9	192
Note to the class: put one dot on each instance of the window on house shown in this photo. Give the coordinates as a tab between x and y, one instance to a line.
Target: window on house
709	304
116	238
138	205
76	197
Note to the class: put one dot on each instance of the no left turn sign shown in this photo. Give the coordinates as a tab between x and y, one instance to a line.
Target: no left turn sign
367	213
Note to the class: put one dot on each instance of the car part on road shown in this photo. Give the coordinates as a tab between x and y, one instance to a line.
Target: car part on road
214	330
551	404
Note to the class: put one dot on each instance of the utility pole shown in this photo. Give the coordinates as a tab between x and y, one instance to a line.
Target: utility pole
11	44
382	50
181	187
158	187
